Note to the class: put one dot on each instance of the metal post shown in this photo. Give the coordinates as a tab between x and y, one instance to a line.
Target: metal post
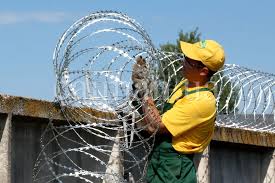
270	174
5	150
203	166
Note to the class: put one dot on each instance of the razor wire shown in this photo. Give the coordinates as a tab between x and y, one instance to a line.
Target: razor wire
103	138
245	98
93	64
250	100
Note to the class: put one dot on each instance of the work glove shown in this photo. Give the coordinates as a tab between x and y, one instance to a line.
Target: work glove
142	88
140	78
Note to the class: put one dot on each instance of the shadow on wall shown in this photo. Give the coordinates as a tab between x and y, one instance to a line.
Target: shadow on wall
240	163
26	148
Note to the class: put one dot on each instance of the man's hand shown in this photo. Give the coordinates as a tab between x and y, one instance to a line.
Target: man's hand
150	111
152	117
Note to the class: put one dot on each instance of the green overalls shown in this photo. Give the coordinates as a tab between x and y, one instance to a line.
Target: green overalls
166	164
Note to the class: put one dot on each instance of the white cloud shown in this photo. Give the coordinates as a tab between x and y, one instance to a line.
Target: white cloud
22	17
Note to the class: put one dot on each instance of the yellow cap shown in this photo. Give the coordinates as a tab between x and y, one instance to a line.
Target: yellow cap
209	52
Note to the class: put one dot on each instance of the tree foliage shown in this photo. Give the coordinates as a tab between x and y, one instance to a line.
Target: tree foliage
190	37
227	93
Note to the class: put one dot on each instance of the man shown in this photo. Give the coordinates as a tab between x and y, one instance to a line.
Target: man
187	123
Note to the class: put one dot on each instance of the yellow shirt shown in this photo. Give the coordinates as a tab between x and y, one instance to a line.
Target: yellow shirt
191	119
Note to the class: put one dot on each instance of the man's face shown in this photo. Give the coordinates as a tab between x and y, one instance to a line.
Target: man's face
192	69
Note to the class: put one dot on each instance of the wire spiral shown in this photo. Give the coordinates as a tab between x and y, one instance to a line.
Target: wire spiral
103	139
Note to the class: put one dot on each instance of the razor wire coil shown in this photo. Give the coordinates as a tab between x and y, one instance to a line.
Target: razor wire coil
93	63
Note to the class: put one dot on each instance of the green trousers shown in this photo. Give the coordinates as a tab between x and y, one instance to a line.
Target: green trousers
166	165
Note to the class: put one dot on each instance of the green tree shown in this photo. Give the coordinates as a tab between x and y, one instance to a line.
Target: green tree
224	86
190	37
226	93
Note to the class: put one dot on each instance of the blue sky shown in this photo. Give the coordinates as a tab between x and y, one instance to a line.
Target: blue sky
29	31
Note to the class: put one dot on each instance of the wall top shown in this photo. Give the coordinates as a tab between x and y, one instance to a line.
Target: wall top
28	107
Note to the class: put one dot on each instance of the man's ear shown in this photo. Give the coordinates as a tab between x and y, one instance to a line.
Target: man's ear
204	71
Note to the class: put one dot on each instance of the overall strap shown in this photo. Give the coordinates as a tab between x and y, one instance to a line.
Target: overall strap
168	106
185	93
176	89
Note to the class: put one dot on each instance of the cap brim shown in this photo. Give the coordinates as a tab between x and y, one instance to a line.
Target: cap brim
189	50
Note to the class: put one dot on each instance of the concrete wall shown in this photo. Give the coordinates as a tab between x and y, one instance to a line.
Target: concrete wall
25	133
234	155
240	163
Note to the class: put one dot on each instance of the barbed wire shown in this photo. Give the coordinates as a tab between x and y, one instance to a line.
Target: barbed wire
93	63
